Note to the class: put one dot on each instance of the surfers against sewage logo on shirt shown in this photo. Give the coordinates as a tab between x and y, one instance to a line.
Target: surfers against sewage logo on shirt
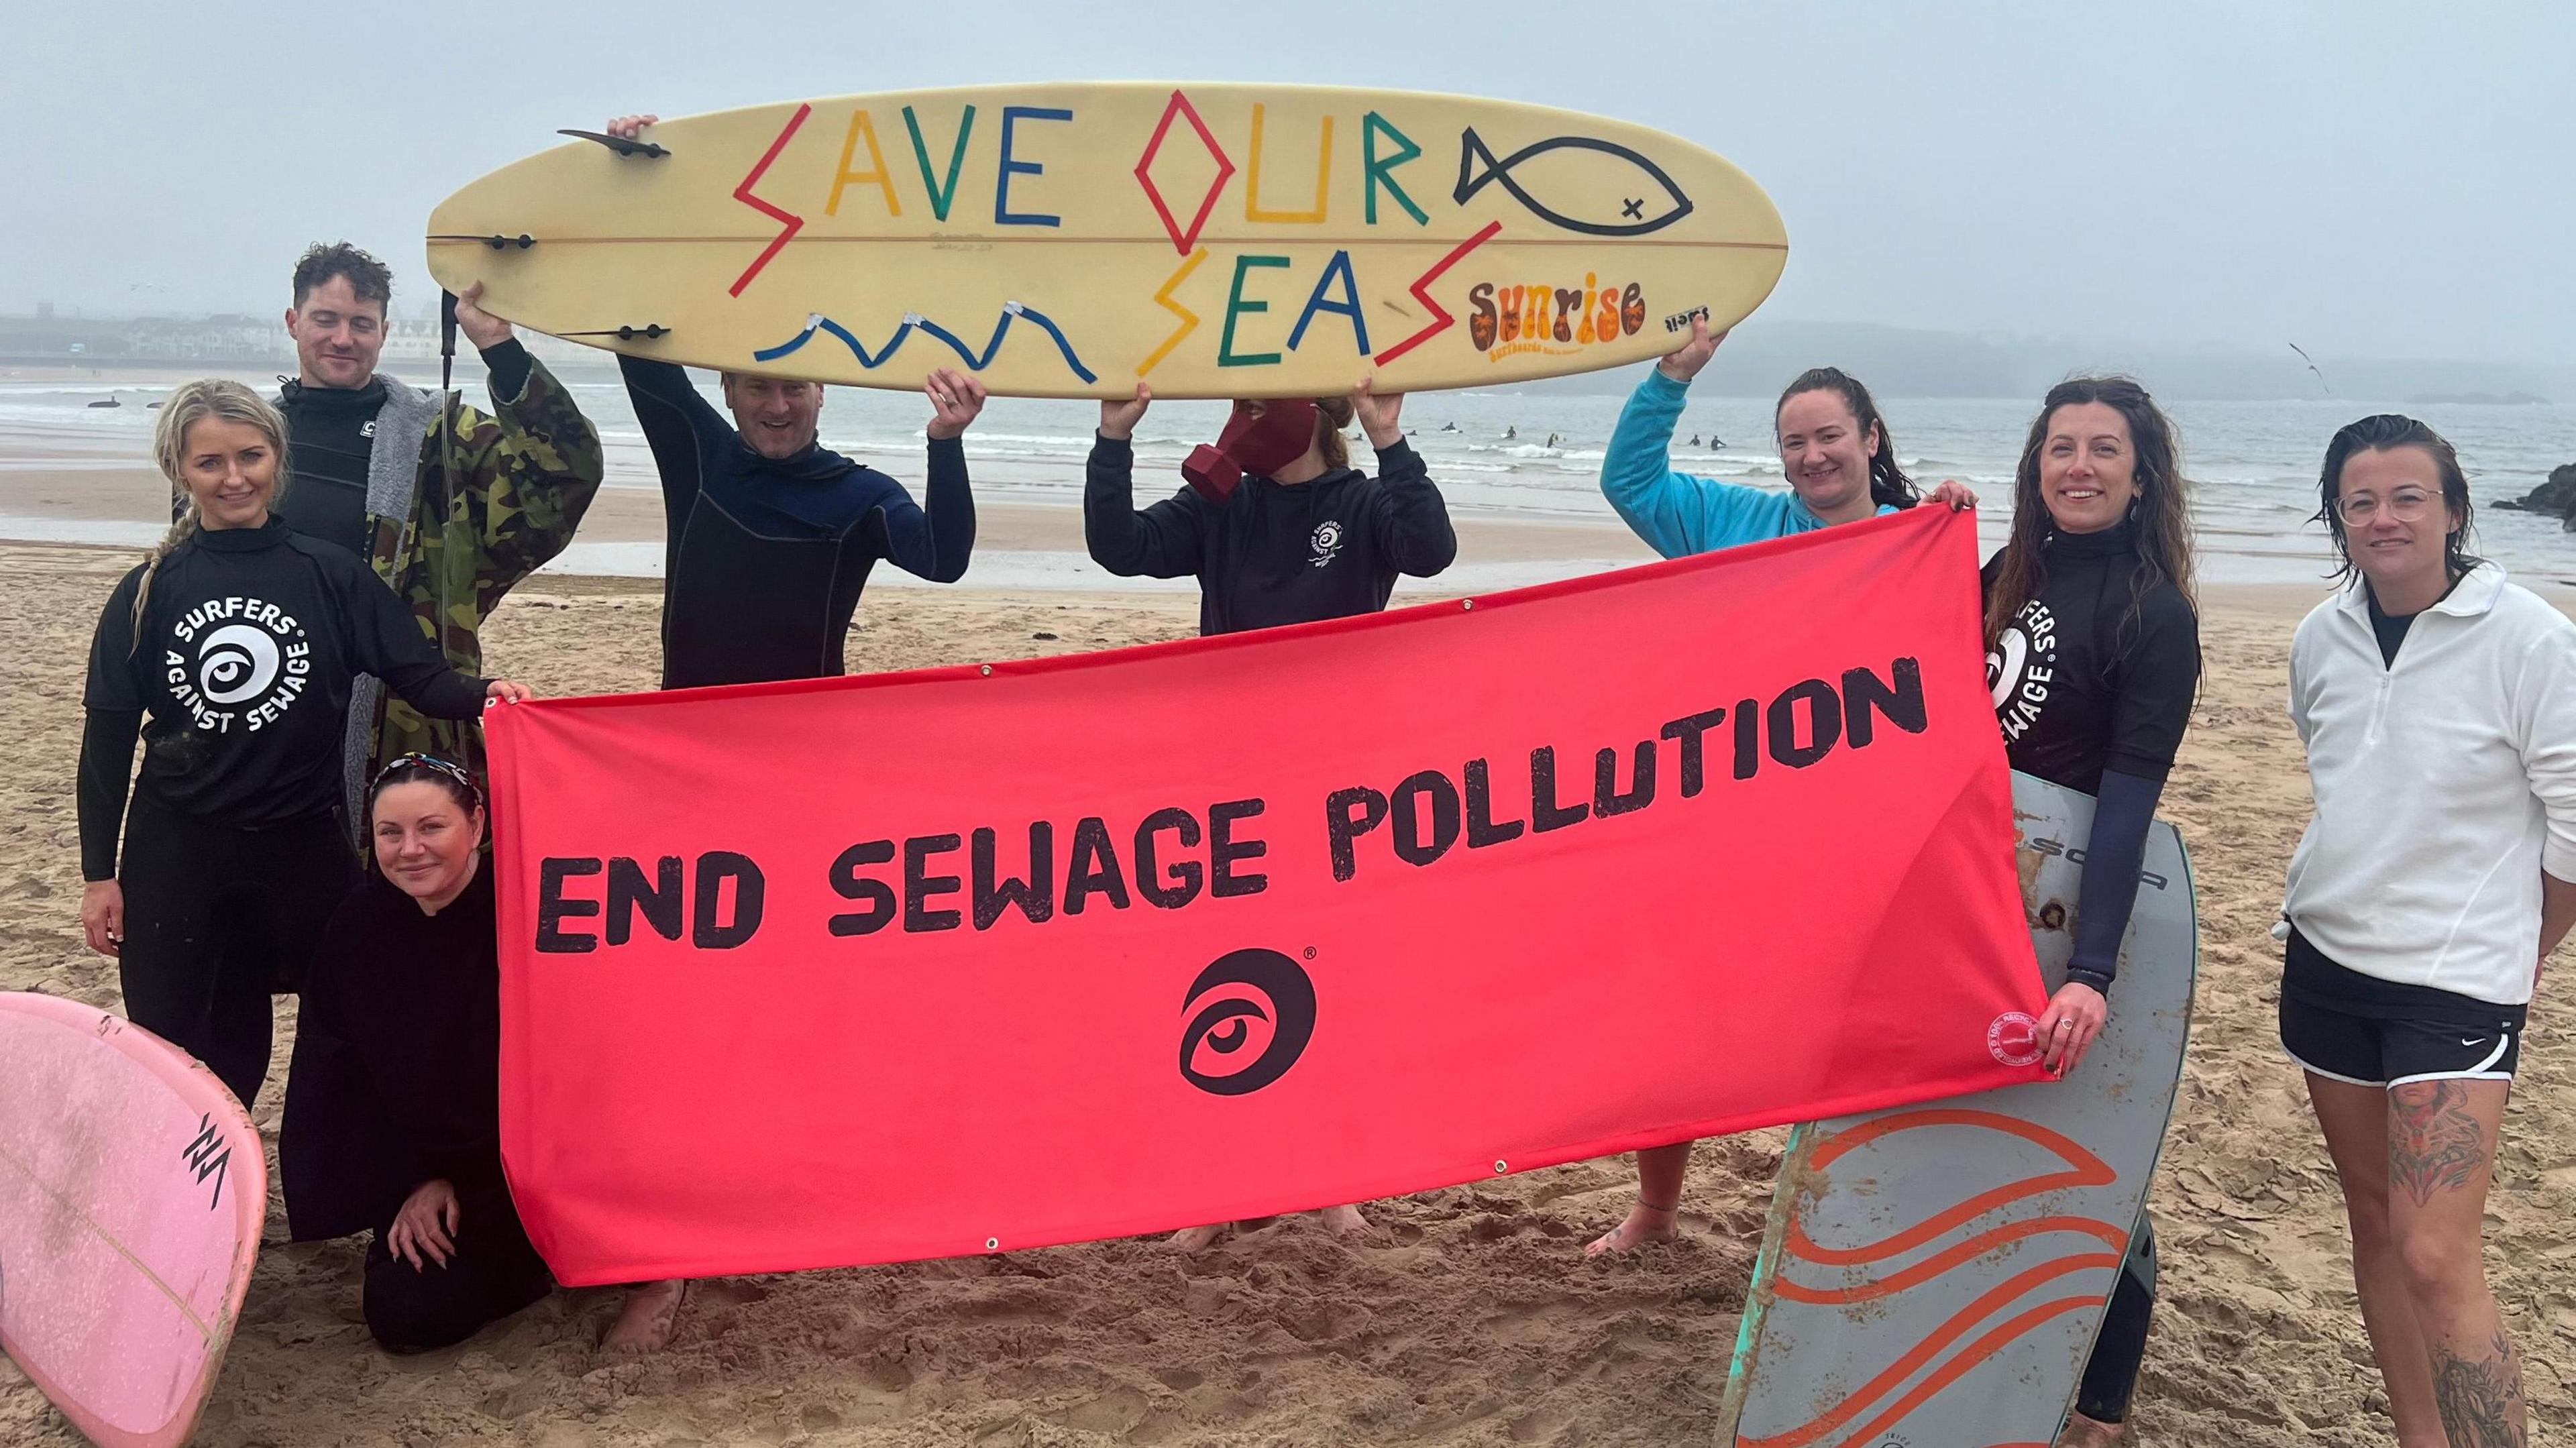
236	662
2021	666
1328	542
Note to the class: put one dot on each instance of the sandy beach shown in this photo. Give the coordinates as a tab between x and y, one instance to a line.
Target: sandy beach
1476	1320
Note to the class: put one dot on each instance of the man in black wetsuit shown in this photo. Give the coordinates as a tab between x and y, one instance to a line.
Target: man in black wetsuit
772	534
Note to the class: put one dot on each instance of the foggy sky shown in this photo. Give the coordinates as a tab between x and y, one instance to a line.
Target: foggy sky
2366	180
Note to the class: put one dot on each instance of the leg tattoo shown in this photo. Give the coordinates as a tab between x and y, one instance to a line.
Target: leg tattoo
2435	1143
2481	1400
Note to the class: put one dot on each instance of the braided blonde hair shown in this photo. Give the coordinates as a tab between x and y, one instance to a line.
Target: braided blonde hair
190	404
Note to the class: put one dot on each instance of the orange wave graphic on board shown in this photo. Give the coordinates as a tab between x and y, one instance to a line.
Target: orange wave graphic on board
2082	1169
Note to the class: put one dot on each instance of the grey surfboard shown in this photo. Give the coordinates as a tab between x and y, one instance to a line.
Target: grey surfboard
1932	1276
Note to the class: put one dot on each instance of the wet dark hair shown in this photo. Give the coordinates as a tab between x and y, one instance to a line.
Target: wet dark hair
371	279
1889	487
2161	511
425	769
2379	433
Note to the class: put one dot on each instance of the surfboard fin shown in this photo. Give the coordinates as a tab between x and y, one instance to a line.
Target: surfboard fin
650	332
622	145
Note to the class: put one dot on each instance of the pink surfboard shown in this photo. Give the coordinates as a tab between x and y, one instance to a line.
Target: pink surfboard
131	1194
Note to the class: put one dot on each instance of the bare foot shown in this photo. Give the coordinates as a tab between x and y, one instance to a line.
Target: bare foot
1347	1222
1644	1224
1197	1239
2083	1432
652	1310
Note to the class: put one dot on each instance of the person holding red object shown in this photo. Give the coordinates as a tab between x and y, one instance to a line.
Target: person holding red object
1278	528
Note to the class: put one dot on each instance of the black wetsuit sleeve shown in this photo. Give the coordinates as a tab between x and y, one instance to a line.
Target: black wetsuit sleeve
2157	682
2113	856
106	763
1167	540
933	543
114	700
388	643
1408	516
679	427
509	363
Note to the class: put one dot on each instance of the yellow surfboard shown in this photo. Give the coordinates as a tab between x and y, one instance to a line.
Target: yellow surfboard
1218	240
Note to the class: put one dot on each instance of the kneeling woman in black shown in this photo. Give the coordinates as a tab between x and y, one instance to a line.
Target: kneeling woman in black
393	1112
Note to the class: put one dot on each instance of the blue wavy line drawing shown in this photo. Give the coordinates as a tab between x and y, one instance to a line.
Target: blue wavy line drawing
914	321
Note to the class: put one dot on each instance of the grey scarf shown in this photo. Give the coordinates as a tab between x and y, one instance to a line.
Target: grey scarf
393	492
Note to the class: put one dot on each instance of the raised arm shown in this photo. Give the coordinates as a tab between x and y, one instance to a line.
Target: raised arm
531	469
1406	511
1677	513
1163	541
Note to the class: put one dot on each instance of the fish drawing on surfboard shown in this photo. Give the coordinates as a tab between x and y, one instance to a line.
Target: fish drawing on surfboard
1658	201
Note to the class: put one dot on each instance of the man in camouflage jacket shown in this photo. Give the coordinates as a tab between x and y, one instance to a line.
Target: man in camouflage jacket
451	507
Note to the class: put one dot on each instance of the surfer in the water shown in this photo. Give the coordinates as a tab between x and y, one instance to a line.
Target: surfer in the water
771	535
449	507
240	640
2437	702
2094	658
1842	468
1278	529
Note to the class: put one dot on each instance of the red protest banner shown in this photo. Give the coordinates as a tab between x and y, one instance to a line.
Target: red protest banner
866	969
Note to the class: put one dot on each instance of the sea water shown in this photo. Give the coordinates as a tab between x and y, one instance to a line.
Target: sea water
1527	455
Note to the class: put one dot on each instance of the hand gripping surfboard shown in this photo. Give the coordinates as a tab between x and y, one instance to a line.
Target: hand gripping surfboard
131	1194
1071	240
1933	1276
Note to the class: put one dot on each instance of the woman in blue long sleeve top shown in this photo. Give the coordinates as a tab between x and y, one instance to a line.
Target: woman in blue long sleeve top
1841	467
1834	450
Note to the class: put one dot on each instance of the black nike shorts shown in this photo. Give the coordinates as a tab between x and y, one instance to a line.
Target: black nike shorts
2364	1031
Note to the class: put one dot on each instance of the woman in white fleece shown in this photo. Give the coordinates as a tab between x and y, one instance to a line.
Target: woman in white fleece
2438	706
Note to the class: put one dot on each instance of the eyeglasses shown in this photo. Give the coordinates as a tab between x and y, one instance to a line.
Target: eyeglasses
433	764
2406	505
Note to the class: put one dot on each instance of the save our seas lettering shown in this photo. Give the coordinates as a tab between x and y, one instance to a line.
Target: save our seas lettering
1185	171
719	900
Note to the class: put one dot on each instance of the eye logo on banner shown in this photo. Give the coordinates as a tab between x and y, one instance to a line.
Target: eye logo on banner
1250	1016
